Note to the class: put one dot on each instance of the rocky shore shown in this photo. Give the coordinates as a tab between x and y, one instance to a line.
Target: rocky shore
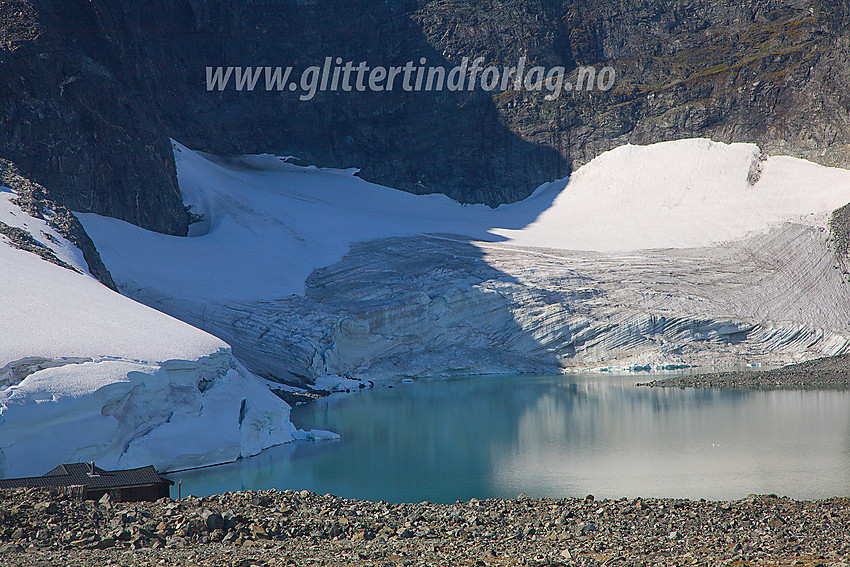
273	528
831	373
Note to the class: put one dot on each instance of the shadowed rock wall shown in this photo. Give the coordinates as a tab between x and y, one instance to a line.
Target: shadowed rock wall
90	91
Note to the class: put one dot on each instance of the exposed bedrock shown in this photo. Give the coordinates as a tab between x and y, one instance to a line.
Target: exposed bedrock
440	304
92	90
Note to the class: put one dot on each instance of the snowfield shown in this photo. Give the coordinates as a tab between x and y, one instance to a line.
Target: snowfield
679	253
683	194
269	224
87	374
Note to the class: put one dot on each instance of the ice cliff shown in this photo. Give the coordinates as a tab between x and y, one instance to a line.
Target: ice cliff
87	374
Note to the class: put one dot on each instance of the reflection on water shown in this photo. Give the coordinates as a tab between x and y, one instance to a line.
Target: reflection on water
556	436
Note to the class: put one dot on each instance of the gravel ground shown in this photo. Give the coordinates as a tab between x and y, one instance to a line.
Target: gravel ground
832	373
273	528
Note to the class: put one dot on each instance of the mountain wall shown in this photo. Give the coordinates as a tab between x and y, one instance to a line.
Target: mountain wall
91	90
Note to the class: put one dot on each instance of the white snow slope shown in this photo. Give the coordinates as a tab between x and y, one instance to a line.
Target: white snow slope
270	224
87	374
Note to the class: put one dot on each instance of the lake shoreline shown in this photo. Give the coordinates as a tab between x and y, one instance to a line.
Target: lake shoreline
302	528
831	373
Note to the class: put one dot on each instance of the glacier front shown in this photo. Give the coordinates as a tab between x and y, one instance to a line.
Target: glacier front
649	257
88	374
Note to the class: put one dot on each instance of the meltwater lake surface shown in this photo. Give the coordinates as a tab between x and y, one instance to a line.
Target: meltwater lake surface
555	436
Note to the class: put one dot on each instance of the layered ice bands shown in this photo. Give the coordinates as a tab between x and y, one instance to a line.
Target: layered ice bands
687	252
87	374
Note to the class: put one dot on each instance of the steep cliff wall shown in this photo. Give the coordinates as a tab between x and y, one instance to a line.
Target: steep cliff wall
73	120
91	91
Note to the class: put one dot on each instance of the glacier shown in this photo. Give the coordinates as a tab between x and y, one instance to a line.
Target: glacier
687	253
681	253
87	374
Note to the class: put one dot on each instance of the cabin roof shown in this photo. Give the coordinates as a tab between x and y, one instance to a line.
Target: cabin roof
90	476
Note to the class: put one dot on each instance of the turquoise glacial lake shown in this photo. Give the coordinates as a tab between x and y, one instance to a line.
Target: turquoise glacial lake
554	436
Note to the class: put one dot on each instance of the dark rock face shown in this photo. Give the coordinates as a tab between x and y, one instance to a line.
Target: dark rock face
839	225
92	90
454	143
72	119
32	198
